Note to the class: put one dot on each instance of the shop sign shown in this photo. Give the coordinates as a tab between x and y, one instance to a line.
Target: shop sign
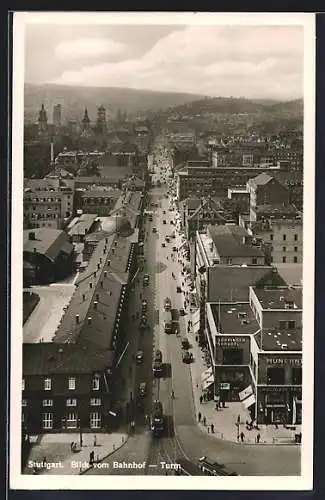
284	361
227	341
224	386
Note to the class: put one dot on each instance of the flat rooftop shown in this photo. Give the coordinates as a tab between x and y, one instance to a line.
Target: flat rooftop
279	297
235	318
280	340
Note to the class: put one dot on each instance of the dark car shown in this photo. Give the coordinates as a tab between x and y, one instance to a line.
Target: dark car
174	249
144	305
164	222
158	356
139	357
142	390
213	468
181	312
163	245
185	343
157	368
187	357
178	289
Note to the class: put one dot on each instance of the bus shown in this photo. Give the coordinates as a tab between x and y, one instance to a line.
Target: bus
187	468
167	321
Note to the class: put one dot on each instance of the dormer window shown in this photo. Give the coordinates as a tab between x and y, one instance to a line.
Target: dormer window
95	383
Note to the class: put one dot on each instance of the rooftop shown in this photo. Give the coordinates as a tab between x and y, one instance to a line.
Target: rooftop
231	283
83	224
48	358
235	318
280	340
229	241
279	297
291	273
97	295
279	210
261	179
47	241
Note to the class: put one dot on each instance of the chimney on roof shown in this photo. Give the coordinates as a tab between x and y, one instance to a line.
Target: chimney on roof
89	320
83	297
90	285
105	250
108	263
115	243
95	305
98	266
32	236
77	319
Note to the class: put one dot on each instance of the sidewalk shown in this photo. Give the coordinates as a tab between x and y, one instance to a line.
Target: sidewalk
225	419
56	450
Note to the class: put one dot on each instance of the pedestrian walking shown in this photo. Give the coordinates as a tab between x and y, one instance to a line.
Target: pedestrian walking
204	420
91	457
95	440
199	416
242	436
212	429
208	429
258	437
173	394
201	399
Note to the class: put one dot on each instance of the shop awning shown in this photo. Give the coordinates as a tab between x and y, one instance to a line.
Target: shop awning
196	327
206	374
207	383
249	401
245	393
196	317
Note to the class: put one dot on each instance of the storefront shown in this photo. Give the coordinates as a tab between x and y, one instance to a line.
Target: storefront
279	405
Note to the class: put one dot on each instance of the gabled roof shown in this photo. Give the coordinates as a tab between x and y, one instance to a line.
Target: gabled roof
49	242
261	179
214	207
231	283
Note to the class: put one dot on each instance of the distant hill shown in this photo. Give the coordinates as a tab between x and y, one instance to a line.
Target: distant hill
74	100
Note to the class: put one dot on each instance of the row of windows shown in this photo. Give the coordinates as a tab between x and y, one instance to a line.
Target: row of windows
47	383
284	237
276	376
69	402
71	420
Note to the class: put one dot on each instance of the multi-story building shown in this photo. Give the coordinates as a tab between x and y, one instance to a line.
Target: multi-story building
42	120
68	383
57	116
200	181
98	200
256	349
243	155
197	214
48	202
265	190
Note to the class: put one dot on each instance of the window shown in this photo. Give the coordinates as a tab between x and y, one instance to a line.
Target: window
23	384
47	384
275	376
284	237
291	325
295	260
284	249
229	260
297	376
232	357
284	260
254	260
282	325
72	421
271	237
71	402
72	383
95	384
95	420
24	402
296	249
47	402
95	402
296	237
47	420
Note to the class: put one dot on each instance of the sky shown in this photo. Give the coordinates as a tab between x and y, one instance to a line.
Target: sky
239	61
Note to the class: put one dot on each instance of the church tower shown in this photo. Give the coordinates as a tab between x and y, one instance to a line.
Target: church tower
85	122
101	119
42	119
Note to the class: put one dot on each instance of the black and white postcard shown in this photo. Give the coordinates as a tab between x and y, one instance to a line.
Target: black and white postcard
162	247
